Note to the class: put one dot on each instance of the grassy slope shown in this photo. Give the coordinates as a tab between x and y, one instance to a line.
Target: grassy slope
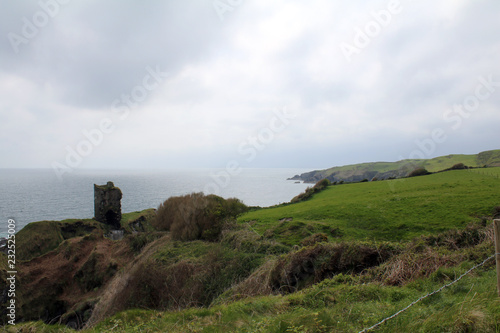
38	238
491	158
143	217
336	305
386	210
389	210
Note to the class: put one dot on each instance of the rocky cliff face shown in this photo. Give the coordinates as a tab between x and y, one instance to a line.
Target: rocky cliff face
64	266
346	176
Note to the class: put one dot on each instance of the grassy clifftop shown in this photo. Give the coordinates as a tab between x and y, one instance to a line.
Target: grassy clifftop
386	170
390	210
38	238
340	261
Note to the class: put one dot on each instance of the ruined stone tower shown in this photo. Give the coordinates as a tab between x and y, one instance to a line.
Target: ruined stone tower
107	204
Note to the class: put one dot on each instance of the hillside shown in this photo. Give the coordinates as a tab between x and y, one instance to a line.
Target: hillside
391	210
340	261
387	170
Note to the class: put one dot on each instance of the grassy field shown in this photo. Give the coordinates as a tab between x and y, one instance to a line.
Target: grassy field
391	210
335	305
389	243
401	168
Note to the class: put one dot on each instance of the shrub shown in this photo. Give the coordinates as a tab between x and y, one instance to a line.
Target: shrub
311	265
496	212
322	184
318	187
314	239
409	266
196	216
418	172
194	276
458	166
234	207
140	240
455	239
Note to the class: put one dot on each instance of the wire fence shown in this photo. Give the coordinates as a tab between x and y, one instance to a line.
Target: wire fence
429	294
485	172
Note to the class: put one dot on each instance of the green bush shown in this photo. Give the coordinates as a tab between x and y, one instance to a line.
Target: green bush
322	184
318	187
418	172
196	216
459	166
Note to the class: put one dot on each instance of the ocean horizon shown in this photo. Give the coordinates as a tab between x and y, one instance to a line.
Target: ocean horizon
30	195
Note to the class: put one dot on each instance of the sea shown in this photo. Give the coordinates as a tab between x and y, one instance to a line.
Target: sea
30	195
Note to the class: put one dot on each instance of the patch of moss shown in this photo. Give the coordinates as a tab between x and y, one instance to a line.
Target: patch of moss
294	232
139	221
38	238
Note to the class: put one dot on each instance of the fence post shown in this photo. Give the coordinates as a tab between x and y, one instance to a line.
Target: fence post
496	225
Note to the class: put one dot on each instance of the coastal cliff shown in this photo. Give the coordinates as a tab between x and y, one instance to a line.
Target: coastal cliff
391	170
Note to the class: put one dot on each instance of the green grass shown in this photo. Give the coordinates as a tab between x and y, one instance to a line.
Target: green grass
335	305
387	210
38	238
444	162
141	219
385	213
401	168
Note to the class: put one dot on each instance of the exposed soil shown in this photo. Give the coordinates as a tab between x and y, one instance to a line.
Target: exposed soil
57	282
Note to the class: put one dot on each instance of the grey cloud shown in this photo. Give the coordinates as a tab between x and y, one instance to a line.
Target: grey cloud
94	52
224	74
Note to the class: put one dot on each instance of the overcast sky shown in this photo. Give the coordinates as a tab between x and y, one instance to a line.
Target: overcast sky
255	83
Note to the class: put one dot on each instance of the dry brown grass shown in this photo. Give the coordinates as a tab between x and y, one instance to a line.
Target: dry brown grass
409	266
58	281
310	265
259	283
196	216
111	298
470	236
173	275
427	254
314	239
